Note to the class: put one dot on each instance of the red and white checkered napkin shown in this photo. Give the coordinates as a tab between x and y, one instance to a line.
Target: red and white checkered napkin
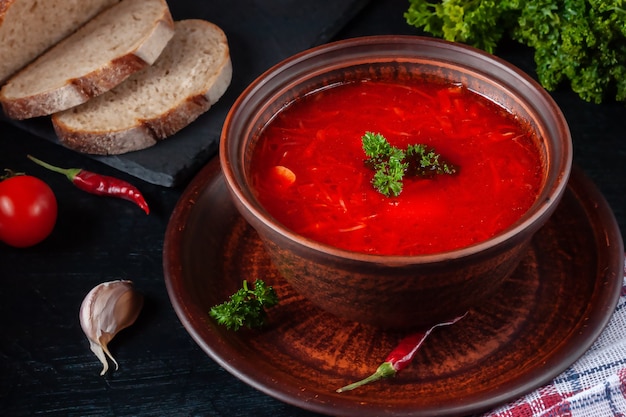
594	386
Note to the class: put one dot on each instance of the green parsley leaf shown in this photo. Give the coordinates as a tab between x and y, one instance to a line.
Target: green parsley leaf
376	146
388	177
580	42
246	307
424	162
391	164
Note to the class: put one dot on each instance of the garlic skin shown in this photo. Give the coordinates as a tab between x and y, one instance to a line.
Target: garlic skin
108	308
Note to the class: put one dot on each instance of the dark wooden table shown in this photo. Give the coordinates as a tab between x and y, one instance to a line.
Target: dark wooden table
46	367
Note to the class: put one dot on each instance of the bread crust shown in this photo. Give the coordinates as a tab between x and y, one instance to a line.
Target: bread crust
78	90
99	143
25	35
147	132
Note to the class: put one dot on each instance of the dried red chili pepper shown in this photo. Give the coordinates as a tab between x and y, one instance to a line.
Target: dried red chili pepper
99	184
400	357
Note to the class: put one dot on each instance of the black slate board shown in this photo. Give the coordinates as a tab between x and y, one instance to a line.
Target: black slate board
260	34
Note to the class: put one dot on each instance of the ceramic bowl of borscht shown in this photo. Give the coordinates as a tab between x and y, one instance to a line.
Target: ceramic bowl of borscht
395	181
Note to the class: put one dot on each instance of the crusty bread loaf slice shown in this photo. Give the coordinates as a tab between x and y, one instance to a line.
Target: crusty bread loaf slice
105	51
191	74
29	27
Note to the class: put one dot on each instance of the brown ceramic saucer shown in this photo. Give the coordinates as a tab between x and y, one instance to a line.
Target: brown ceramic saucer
544	317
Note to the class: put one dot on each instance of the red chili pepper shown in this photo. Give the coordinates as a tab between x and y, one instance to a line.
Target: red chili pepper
400	357
99	184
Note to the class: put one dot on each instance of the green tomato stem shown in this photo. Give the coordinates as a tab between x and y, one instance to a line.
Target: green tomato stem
9	173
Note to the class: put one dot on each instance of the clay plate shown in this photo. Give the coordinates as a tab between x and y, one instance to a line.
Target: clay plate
546	315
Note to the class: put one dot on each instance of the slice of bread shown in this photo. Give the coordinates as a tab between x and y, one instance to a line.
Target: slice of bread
191	74
104	52
29	27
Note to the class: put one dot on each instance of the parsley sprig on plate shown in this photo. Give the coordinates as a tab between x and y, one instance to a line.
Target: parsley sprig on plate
246	307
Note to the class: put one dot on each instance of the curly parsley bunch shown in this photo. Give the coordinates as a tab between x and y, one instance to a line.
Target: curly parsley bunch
246	307
582	42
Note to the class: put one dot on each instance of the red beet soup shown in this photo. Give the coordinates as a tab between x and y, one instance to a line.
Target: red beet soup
308	167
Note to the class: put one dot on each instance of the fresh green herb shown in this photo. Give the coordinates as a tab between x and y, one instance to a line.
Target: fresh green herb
479	23
582	42
391	163
386	160
388	177
246	307
376	146
424	162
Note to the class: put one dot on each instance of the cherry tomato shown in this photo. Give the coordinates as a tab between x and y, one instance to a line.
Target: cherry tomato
28	210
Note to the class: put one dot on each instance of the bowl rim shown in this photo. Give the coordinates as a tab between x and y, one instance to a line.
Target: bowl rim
539	211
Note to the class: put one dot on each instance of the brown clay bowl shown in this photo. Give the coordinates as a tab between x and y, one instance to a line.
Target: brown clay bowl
394	291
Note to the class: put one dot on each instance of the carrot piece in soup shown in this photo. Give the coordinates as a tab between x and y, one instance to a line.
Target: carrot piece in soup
282	177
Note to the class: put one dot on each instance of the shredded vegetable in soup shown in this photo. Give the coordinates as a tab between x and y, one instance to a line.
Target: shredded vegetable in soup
310	171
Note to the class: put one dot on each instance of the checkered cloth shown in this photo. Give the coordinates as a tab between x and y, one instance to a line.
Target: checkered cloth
594	386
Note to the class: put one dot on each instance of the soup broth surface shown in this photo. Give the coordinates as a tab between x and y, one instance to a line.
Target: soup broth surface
308	171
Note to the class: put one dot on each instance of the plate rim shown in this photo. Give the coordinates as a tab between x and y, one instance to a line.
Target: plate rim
302	398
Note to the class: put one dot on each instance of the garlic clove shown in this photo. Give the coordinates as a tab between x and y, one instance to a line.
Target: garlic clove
108	308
